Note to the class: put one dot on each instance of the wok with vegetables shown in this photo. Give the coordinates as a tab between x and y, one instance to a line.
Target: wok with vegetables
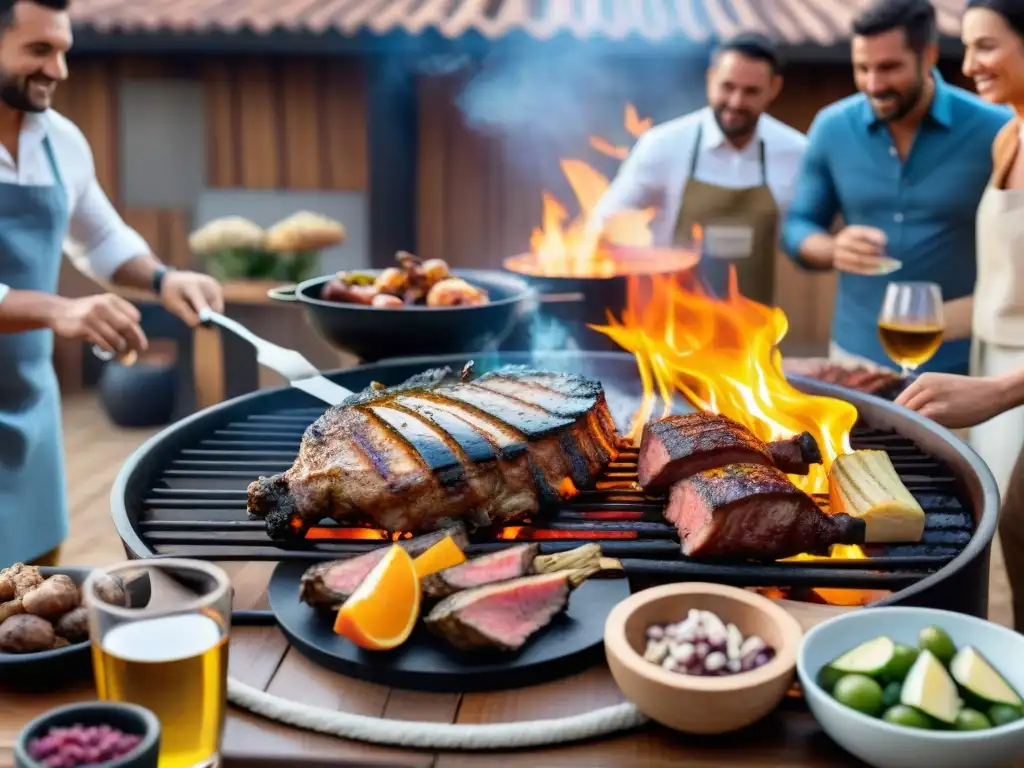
419	307
414	282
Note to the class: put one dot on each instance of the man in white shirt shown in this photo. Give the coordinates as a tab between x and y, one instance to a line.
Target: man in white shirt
48	190
725	172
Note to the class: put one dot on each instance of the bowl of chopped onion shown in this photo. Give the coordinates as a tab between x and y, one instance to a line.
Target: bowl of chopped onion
702	658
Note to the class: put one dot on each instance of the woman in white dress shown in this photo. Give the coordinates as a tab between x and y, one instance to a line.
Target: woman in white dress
991	401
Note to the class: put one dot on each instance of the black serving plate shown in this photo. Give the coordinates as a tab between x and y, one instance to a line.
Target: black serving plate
49	670
572	642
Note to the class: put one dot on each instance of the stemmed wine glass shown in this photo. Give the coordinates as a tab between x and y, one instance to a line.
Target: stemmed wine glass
910	325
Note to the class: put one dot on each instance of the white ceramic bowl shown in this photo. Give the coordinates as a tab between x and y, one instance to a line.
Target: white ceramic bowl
882	745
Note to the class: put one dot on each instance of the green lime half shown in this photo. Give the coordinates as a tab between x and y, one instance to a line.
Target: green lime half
1001	714
903	658
907	716
870	658
936	640
859	692
971	720
828	677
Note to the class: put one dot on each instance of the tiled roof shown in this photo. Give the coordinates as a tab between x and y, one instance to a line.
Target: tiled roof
820	22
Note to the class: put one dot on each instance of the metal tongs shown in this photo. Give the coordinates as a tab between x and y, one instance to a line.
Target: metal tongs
296	369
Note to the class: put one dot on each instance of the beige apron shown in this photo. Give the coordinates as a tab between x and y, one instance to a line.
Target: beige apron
998	346
740	227
998	322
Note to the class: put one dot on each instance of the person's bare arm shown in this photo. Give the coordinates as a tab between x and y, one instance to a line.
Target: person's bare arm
1011	387
28	310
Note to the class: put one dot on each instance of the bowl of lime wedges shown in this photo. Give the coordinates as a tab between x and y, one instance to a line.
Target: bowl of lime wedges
898	687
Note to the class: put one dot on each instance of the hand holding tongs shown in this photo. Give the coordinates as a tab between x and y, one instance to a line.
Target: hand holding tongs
298	371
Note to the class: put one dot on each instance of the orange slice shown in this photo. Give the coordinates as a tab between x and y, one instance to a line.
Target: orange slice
444	554
382	612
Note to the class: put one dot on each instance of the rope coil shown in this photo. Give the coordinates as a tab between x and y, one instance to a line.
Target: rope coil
376	730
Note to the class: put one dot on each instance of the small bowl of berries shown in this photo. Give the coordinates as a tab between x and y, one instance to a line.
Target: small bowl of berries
702	658
90	735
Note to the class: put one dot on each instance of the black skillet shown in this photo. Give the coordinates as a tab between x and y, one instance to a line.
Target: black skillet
375	333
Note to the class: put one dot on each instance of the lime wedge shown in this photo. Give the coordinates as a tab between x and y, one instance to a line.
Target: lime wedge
887	265
980	679
929	688
870	658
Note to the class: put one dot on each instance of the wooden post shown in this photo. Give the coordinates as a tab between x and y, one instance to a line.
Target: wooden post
392	135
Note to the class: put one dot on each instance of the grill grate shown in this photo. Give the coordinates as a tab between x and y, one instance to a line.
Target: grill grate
196	509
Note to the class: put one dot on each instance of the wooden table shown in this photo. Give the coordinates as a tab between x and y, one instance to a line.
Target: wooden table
261	657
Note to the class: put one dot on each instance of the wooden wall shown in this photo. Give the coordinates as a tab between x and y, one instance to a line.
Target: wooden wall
294	124
478	206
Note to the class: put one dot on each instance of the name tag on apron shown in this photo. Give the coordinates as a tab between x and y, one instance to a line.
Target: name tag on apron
728	241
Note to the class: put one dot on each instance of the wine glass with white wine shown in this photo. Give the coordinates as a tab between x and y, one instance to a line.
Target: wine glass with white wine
910	325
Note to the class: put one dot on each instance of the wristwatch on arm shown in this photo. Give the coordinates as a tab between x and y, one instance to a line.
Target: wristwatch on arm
158	278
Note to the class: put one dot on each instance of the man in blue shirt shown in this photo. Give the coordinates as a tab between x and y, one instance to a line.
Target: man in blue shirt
904	163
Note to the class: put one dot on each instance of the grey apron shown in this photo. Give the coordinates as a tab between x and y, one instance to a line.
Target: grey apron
33	497
740	229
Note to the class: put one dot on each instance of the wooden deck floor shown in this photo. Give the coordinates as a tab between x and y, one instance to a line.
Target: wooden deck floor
96	449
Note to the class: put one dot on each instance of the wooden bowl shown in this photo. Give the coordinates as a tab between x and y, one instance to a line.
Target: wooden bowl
704	705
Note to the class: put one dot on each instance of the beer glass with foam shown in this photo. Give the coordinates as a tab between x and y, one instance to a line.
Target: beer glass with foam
159	631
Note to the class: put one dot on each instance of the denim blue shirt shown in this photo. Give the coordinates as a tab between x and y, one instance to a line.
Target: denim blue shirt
926	205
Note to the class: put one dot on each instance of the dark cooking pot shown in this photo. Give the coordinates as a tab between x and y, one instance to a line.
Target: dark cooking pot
570	304
375	333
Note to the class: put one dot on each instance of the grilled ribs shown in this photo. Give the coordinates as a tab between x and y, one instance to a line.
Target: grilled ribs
443	447
753	511
676	447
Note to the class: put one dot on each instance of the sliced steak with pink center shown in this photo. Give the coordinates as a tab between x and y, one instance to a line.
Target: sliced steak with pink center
500	616
676	447
491	568
330	584
753	512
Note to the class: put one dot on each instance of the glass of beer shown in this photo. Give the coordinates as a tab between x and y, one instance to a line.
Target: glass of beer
910	325
159	631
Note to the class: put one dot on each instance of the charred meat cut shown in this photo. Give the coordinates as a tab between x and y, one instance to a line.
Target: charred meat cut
501	616
443	447
503	565
676	447
755	512
331	584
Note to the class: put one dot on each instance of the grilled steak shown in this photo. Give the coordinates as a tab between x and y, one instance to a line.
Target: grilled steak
442	447
677	447
491	568
755	512
330	584
500	616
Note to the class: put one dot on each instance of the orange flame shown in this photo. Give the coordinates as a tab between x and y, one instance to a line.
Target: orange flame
721	354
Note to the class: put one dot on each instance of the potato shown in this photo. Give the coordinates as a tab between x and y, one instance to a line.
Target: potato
60	642
11	608
74	625
53	598
23	577
111	591
6	589
26	634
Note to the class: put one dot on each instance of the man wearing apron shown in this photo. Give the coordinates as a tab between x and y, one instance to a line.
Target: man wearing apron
904	163
48	189
723	172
